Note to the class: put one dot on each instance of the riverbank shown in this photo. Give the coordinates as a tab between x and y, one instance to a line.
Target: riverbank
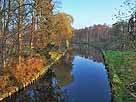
19	82
122	70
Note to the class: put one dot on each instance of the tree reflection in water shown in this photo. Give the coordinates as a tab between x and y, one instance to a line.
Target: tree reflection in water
45	89
82	80
50	87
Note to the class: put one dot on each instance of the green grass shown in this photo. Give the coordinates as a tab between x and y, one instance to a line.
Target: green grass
122	67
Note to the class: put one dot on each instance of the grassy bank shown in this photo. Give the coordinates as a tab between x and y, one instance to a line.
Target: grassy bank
122	67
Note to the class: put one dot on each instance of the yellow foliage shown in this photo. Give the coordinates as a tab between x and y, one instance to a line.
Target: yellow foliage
54	55
63	30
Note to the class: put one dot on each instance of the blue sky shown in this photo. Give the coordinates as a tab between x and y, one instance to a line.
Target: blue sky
89	12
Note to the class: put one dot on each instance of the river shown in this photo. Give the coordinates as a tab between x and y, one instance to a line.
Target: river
80	76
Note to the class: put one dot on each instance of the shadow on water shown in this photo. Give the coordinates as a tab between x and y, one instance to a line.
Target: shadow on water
43	90
80	76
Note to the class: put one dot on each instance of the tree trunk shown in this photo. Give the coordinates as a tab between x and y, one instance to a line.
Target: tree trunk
20	29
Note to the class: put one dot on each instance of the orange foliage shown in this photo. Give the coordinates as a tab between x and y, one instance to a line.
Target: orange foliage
23	72
3	81
27	69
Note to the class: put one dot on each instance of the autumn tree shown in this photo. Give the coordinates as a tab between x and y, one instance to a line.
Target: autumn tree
29	27
63	30
5	15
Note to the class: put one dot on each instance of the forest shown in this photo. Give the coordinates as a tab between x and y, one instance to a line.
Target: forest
32	35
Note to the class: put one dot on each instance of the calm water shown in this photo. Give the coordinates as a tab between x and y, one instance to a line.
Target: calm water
80	76
88	80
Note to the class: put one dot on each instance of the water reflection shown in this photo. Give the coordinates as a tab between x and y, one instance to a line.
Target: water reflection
87	51
63	69
86	80
80	76
44	90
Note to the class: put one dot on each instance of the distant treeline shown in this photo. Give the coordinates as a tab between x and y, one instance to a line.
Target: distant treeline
104	36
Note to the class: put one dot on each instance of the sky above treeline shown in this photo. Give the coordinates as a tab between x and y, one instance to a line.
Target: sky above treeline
89	12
